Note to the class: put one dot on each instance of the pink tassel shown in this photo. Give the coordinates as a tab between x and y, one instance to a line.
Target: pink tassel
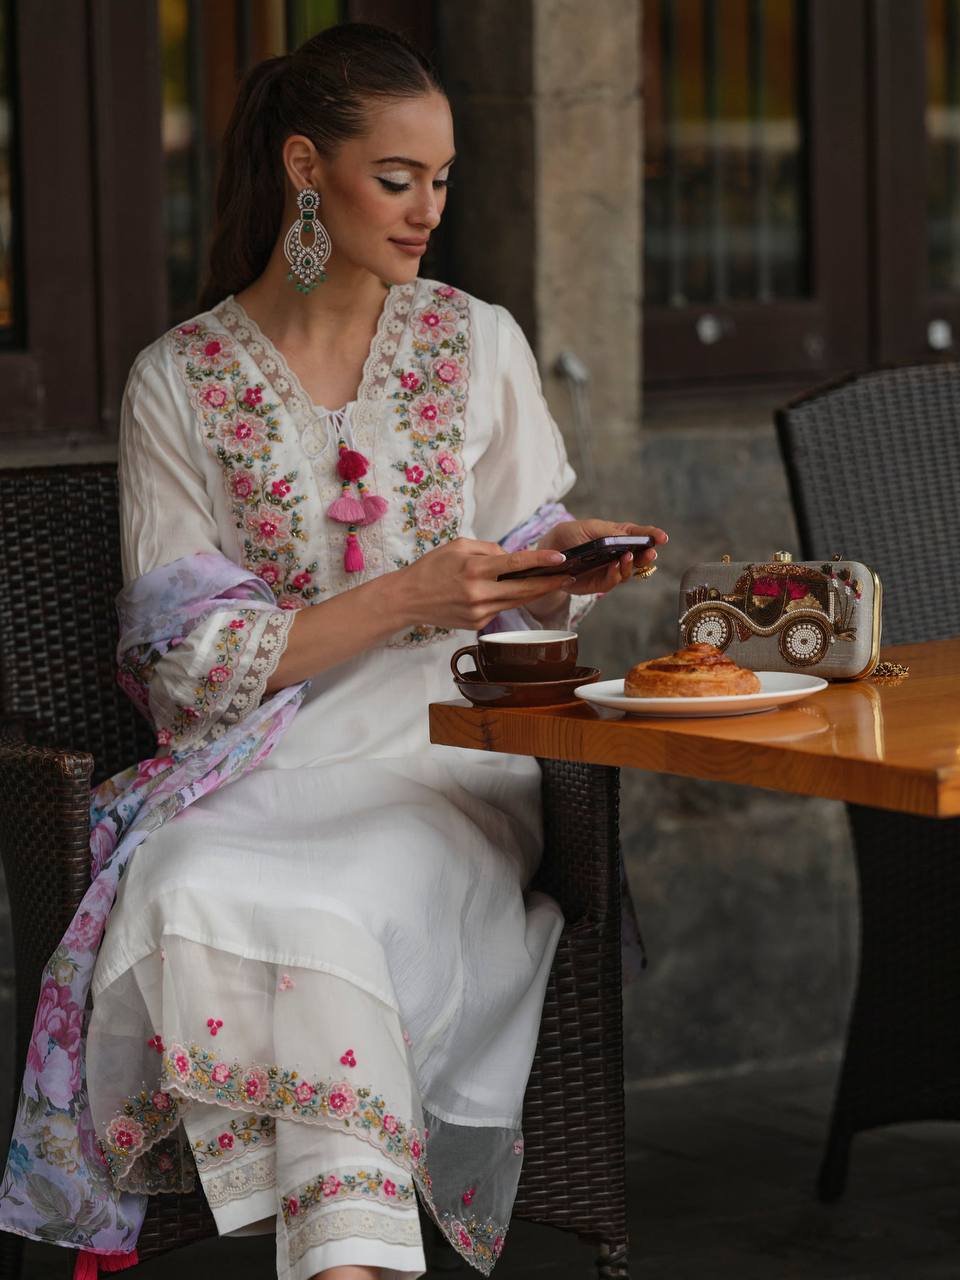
351	465
118	1261
347	510
353	560
89	1265
374	508
85	1267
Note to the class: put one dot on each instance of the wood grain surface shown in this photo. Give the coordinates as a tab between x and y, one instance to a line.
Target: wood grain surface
894	744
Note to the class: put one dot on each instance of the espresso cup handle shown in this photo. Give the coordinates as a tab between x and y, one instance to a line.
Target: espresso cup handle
455	660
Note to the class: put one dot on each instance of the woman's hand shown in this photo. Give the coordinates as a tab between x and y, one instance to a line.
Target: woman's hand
571	533
456	585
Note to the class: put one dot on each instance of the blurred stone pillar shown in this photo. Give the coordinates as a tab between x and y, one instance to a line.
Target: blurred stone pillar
546	215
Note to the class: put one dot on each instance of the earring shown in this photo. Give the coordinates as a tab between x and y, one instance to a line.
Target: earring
307	262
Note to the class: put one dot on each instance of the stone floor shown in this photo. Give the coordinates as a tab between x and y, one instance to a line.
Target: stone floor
720	1188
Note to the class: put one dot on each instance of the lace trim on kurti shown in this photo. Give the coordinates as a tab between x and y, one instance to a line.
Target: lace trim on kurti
343	1224
238	1181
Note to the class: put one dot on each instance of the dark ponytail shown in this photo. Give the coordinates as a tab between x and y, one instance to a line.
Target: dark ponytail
322	91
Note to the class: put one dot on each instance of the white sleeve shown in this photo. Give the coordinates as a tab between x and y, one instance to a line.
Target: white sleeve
525	465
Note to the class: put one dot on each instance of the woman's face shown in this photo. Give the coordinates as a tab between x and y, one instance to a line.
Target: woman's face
383	193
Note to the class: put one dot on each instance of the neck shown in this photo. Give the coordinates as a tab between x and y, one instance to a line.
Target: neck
350	297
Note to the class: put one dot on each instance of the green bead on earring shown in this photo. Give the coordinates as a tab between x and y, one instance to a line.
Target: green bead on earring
307	261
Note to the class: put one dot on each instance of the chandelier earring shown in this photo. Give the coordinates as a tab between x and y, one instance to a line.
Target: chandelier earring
307	261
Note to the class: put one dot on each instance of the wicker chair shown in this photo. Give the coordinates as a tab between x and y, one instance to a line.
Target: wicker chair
874	470
59	574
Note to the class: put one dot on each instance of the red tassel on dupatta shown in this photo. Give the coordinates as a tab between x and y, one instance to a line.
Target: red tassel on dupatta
89	1266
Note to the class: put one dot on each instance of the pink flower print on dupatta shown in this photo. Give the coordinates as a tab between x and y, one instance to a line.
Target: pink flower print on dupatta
342	1100
268	525
347	1058
432	509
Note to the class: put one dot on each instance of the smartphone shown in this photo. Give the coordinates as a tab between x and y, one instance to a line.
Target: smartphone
587	557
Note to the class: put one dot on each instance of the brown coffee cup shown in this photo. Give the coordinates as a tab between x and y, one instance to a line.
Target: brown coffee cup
521	655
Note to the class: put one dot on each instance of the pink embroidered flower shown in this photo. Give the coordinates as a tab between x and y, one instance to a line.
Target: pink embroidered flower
406	1036
188	329
389	1188
409	380
462	1236
180	1061
252	396
290	602
416	1150
221	1073
518	1147
342	1100
218	675
214	396
302	579
165	1162
448	371
212	348
280	488
214	1025
390	1123
162	1101
445	291
430	414
237	624
268	524
286	983
124	1134
156	1043
432	510
242	484
414	474
304	1092
256	1085
347	1058
435	323
243	436
270	574
225	1141
293	1206
448	464
164	737
498	1246
331	1185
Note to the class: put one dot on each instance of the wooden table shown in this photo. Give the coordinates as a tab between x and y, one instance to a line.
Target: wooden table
891	744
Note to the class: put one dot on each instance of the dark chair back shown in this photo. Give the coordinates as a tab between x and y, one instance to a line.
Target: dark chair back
874	469
59	577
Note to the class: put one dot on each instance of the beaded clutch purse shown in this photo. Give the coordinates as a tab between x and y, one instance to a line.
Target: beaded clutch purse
820	618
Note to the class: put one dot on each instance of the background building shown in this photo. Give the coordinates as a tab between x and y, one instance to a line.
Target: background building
711	204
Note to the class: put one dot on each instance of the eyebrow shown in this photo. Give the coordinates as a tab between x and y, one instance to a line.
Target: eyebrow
414	164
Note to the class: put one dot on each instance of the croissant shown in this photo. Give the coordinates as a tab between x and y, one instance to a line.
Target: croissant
698	671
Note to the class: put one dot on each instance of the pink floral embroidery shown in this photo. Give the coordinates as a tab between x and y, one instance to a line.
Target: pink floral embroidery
348	1059
343	1100
280	488
220	1073
389	1188
446	291
286	983
390	1123
448	371
225	1141
304	1092
218	674
410	381
435	323
214	1025
256	1085
406	1036
416	1150
331	1185
164	737
243	435
181	1063
162	1100
237	624
430	414
165	1162
293	1206
414	474
432	509
253	396
461	1235
468	1195
124	1133
448	464
303	579
267	525
156	1043
270	574
214	396
518	1147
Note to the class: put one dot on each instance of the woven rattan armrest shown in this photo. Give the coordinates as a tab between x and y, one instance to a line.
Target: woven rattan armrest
45	846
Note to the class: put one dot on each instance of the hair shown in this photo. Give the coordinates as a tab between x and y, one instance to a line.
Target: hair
323	91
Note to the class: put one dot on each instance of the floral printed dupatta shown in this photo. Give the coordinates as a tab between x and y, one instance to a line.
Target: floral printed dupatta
56	1187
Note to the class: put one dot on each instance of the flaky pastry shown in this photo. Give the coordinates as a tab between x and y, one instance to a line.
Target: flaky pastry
697	671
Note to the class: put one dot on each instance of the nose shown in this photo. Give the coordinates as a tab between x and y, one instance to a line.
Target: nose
428	213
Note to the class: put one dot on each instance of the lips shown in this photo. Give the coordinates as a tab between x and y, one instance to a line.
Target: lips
412	248
412	244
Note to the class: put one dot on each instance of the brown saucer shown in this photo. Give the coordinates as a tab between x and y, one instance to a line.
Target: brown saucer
523	693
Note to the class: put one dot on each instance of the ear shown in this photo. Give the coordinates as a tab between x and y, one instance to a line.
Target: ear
301	162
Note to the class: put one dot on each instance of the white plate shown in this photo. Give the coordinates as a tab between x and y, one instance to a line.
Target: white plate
776	689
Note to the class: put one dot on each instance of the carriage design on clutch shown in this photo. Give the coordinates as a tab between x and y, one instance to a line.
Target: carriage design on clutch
806	608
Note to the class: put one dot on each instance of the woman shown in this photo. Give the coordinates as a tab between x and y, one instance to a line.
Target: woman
320	986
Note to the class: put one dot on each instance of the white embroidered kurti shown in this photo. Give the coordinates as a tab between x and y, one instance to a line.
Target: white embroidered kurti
335	952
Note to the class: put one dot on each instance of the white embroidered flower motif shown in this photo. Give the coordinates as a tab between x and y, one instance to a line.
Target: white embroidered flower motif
388	346
395	327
